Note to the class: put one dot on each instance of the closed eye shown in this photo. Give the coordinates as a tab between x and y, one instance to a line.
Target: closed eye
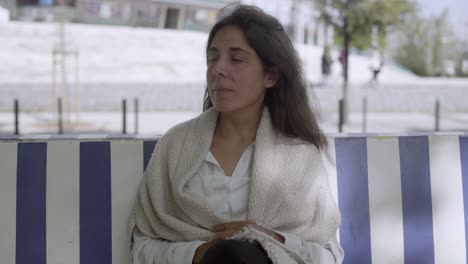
237	59
212	58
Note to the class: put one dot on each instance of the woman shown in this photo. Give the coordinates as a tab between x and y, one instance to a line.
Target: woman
243	182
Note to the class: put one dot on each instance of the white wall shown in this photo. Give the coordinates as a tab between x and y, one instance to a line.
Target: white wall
4	15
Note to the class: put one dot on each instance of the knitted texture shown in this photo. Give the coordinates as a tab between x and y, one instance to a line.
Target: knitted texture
288	191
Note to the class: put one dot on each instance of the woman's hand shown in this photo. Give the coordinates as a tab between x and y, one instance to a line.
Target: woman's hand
201	250
229	229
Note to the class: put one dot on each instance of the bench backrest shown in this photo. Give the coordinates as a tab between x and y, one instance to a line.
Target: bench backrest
402	198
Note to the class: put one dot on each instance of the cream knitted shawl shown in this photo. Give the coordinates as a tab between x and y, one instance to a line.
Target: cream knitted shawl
289	189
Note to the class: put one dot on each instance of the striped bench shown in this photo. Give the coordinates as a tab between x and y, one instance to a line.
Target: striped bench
66	200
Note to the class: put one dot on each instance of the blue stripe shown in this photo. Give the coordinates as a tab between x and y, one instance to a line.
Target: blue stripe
464	165
95	203
31	203
353	199
417	202
148	148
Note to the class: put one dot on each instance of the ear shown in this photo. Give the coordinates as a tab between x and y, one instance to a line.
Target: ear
272	77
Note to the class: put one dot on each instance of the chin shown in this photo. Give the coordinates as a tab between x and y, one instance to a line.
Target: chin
224	108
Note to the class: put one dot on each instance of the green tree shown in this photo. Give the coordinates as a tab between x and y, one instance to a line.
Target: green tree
413	50
425	45
462	63
353	21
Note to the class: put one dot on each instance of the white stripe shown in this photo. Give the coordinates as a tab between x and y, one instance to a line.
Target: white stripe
127	171
385	202
63	196
330	166
329	161
147	136
92	136
8	161
447	199
446	133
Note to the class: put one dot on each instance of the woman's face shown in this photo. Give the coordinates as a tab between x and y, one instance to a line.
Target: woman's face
236	77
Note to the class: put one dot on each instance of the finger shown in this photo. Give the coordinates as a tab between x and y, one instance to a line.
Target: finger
217	236
226	234
260	228
218	227
231	225
228	225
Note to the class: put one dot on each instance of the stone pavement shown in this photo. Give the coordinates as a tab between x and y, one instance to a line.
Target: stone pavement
160	122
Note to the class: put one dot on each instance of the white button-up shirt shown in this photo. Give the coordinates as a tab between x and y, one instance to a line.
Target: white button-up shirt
228	197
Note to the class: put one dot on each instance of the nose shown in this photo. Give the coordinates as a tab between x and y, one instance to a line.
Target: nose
220	67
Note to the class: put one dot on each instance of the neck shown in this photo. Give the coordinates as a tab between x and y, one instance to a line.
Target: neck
240	125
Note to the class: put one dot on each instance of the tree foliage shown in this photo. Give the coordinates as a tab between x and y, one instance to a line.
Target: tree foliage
361	15
353	21
413	48
428	46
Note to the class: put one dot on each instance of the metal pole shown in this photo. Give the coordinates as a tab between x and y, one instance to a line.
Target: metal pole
437	115
66	92
16	110
124	116
345	88
77	89
136	115
63	63
54	81
341	115
364	115
295	21
60	123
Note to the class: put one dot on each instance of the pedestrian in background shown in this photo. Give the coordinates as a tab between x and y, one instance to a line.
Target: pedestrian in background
375	64
327	63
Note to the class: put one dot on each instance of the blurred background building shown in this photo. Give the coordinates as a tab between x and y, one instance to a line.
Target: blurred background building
152	53
298	17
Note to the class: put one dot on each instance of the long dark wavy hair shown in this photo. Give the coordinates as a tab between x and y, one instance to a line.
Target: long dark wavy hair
288	101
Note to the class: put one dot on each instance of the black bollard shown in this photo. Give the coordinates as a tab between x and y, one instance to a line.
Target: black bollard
60	115
437	115
136	115
124	116
341	115
16	113
364	115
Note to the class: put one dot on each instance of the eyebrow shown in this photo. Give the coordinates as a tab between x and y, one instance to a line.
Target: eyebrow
213	49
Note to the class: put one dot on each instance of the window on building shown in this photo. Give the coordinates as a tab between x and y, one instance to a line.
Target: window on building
44	2
200	19
146	15
172	18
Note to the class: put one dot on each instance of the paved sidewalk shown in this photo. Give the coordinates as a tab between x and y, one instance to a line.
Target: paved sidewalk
160	122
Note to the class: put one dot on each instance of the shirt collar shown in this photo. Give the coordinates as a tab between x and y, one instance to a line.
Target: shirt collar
211	158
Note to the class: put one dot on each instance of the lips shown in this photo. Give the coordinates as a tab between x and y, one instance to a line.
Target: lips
220	93
222	90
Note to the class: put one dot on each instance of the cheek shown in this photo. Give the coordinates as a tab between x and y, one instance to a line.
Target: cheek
211	73
252	78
